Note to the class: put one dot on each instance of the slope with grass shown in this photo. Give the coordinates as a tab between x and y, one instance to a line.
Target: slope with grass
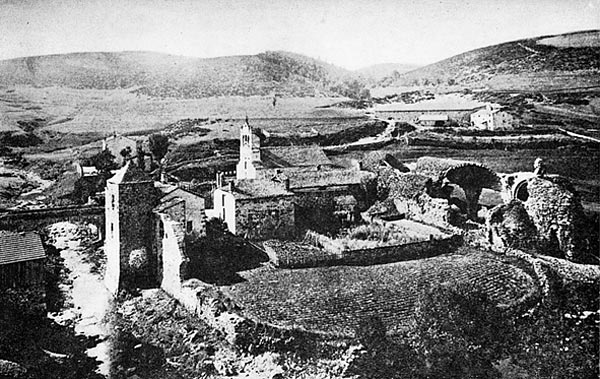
542	63
163	75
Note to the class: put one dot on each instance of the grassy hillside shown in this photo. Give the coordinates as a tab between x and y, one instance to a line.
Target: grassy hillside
163	75
549	62
377	72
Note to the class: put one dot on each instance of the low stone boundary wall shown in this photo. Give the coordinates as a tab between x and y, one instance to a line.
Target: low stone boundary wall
210	305
280	257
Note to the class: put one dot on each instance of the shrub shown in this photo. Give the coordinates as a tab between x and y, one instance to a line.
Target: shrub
138	259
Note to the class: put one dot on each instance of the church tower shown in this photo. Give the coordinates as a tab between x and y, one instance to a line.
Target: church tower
129	201
245	168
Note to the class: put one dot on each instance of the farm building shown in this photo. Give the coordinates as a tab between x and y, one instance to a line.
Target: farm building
256	209
195	215
433	119
311	192
22	259
492	118
455	107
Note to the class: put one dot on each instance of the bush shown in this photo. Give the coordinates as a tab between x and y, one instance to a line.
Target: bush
138	259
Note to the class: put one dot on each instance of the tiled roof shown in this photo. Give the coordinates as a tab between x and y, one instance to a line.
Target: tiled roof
307	179
257	188
20	247
290	156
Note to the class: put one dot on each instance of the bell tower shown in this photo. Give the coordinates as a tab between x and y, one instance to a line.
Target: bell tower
245	168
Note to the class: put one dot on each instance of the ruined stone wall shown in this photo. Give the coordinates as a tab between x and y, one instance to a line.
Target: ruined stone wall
265	218
218	311
509	226
428	210
558	216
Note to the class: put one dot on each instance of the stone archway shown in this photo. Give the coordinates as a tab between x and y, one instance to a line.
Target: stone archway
469	176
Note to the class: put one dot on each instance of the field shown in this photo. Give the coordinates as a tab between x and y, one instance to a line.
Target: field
336	299
67	110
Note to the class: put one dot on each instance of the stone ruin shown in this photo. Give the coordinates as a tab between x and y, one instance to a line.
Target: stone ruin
546	205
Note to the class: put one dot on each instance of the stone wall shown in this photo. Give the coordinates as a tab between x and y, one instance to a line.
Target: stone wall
333	255
217	310
34	219
558	216
129	227
428	210
265	218
509	226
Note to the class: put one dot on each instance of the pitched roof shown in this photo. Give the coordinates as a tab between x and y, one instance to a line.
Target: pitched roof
290	156
258	188
130	173
166	204
308	179
20	247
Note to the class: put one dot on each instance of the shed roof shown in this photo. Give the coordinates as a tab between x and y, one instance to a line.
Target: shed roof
20	247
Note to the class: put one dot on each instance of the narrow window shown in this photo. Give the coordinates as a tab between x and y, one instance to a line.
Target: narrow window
112	230
190	225
112	201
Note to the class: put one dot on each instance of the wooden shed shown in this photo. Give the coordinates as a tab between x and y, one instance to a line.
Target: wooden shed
22	259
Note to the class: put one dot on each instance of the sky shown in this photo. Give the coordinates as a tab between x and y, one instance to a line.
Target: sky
348	33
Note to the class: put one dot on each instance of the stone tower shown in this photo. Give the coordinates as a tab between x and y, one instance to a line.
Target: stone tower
129	200
245	168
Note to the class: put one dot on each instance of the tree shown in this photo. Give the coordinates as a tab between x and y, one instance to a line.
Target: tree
159	145
104	162
126	154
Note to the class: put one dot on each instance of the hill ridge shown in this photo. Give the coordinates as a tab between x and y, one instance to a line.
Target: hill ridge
523	63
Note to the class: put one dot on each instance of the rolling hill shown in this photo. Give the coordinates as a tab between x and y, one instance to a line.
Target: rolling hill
163	75
377	72
541	63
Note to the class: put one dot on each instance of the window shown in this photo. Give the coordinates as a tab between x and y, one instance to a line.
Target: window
112	230
112	201
189	226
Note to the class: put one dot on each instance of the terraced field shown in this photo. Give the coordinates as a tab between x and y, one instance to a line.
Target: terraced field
334	300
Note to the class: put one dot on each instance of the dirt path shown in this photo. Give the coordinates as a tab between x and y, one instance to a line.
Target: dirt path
89	298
